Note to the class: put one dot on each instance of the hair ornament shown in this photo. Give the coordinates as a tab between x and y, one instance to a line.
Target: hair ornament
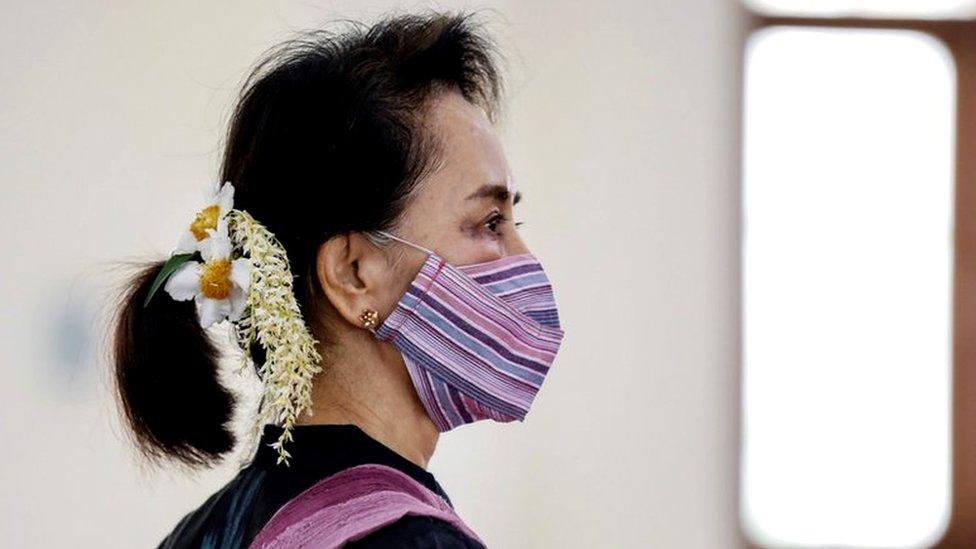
243	275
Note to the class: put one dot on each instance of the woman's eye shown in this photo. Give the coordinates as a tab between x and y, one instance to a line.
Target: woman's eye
493	221
496	219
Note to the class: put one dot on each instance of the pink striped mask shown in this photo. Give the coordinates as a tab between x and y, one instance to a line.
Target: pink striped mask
478	339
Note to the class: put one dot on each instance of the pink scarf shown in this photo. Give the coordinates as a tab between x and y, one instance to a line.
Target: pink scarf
351	504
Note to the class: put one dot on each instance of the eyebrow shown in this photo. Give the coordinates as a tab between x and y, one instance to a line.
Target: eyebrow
496	192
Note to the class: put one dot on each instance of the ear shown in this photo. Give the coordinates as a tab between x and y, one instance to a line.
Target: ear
353	274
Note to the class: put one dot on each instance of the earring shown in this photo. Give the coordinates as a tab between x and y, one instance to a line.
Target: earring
369	318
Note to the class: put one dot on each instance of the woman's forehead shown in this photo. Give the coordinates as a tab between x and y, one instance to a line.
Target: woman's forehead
472	160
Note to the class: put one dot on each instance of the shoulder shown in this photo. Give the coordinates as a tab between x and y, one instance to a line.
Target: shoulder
222	518
415	532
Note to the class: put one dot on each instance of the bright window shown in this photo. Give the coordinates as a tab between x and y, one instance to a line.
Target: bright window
847	210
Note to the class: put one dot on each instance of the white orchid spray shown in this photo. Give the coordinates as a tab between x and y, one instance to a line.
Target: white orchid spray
245	277
273	319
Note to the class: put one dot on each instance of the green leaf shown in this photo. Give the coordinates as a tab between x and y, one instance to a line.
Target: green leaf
172	264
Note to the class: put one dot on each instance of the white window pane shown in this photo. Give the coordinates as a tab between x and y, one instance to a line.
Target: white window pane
847	212
920	9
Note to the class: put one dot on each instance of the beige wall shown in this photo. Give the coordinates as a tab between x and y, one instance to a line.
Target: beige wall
622	133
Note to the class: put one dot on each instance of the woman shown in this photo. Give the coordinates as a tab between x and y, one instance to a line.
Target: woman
371	159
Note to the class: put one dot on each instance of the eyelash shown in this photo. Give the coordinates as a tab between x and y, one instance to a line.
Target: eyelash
495	218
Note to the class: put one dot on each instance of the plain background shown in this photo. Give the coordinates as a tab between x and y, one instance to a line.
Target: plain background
621	131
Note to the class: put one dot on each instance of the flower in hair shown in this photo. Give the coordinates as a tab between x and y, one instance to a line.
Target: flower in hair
273	320
218	284
244	276
219	200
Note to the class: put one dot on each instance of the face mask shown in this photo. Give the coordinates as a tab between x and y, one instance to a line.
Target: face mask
478	339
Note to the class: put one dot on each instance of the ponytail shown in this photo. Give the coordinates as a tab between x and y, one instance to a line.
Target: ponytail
165	369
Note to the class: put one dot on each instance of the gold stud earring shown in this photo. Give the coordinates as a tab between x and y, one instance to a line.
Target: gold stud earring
369	318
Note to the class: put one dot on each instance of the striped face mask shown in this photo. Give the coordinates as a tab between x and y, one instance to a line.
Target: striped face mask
477	340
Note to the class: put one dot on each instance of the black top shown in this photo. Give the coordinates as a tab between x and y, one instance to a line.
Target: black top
233	516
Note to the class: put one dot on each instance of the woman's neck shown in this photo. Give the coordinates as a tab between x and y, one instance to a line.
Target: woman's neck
375	394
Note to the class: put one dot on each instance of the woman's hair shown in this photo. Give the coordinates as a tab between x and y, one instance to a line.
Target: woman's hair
326	138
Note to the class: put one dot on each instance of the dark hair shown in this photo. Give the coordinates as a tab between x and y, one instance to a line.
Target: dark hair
326	138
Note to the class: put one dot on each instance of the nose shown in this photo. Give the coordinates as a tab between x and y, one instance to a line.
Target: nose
515	244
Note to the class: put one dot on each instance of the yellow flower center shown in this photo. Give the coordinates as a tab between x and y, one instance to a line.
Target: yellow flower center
215	279
206	219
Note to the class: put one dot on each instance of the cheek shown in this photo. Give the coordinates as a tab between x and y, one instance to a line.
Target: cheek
467	242
397	283
479	249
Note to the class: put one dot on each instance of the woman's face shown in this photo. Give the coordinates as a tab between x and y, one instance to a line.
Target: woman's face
464	210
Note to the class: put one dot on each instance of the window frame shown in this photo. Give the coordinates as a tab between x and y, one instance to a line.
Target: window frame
959	36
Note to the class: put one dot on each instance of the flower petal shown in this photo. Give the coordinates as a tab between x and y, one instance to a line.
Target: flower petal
211	192
238	302
219	246
224	307
223	227
225	198
240	273
184	284
212	311
187	243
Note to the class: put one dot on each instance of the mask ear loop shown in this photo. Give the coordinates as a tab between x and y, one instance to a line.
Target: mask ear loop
407	242
372	236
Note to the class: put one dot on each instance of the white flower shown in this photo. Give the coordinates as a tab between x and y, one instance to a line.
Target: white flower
218	285
219	200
